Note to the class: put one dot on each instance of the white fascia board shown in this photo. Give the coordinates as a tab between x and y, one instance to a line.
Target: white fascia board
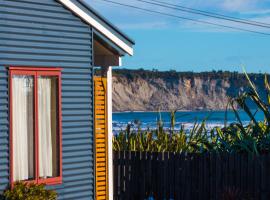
90	20
120	61
110	132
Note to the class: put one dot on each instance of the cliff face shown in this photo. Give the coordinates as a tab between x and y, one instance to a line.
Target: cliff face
147	91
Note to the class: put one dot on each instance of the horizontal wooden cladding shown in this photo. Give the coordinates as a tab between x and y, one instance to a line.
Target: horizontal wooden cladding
79	77
100	127
101	197
27	18
100	98
36	12
99	85
100	116
101	122
24	50
4	130
100	150
77	110
39	34
77	134
44	33
43	60
68	31
46	2
99	82
25	56
100	138
26	5
42	63
101	188
83	194
101	192
43	41
99	111
81	106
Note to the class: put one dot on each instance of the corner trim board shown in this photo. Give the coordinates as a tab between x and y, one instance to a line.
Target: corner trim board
110	133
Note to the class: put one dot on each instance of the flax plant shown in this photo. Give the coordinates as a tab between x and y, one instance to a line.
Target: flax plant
253	138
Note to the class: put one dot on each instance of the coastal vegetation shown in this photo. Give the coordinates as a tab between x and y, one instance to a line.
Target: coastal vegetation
26	191
172	74
253	138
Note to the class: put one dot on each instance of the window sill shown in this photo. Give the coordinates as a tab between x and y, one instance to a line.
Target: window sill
48	181
51	181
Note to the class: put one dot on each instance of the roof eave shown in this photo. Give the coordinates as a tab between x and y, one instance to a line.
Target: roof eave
125	46
101	17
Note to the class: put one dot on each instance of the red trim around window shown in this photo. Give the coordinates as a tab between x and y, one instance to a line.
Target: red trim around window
35	72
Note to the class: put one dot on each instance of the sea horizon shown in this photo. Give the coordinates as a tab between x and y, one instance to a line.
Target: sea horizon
148	119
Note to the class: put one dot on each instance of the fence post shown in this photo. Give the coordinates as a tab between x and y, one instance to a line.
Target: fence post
138	175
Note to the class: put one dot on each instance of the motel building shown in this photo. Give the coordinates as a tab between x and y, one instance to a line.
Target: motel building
55	113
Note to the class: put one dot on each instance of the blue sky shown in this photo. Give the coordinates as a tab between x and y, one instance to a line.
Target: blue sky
166	43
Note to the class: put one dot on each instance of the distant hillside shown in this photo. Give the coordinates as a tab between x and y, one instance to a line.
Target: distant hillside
142	90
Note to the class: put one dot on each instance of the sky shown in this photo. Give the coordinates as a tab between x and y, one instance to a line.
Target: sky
167	43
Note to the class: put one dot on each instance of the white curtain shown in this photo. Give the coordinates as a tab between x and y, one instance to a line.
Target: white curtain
22	128
46	129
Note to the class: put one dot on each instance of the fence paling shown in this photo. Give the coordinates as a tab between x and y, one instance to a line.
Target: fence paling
138	175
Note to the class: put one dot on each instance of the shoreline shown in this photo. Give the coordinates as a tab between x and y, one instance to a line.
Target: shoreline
165	111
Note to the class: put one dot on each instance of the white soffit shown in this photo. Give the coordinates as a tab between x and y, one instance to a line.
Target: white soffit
90	20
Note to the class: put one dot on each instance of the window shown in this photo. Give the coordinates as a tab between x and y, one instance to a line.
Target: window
35	125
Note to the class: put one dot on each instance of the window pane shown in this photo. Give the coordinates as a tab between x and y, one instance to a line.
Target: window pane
22	127
47	127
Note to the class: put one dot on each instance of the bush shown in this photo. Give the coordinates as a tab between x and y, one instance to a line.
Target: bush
253	138
24	191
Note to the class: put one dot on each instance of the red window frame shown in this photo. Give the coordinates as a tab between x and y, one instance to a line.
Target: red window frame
35	72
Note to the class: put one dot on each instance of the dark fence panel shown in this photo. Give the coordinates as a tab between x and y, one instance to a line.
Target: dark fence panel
140	175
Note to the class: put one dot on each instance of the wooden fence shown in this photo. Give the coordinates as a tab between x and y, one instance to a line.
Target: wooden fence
140	175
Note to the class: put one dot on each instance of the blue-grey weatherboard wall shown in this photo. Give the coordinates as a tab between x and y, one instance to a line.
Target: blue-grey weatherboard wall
43	33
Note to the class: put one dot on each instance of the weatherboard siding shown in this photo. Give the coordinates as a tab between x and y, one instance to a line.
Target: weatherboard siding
45	34
4	130
42	33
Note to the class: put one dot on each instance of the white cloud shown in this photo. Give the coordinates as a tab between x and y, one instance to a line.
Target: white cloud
144	25
262	19
257	12
128	18
200	27
239	5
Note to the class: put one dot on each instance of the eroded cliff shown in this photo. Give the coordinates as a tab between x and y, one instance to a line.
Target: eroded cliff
140	90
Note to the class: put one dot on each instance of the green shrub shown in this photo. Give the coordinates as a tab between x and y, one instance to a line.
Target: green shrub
24	191
253	138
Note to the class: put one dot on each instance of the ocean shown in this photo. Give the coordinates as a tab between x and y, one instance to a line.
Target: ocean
186	118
